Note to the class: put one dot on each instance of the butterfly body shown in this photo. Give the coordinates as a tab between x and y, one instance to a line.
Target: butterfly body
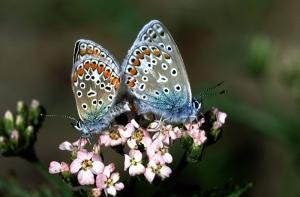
95	81
156	77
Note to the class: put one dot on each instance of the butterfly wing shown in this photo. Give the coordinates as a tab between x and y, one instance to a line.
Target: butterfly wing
156	32
154	70
95	84
85	47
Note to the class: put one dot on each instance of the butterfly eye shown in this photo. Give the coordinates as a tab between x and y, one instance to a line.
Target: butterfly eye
77	126
196	105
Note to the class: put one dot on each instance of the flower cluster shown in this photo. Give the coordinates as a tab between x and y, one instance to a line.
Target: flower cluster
18	131
147	151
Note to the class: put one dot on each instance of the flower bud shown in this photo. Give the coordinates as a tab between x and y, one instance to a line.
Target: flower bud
29	133
14	136
2	141
20	123
8	122
34	112
194	154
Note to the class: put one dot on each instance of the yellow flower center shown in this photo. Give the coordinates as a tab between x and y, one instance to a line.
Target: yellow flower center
86	164
109	182
156	168
133	162
114	134
138	135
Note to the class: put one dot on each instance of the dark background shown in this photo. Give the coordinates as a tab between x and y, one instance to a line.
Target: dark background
253	45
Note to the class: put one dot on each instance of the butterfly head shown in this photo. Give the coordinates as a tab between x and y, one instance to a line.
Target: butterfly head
196	103
84	131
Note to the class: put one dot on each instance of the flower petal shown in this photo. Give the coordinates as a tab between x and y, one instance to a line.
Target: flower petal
66	146
132	143
115	177
85	177
54	167
167	157
64	167
126	162
100	181
111	190
119	186
136	169
98	167
75	166
84	155
149	174
221	116
138	156
134	123
165	172
96	192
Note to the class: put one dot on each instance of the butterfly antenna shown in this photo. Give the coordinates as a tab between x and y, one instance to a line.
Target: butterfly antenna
212	91
60	116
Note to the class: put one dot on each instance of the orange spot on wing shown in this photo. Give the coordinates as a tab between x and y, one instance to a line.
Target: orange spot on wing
132	71
89	51
93	65
80	71
156	52
167	56
106	74
136	62
74	77
140	55
86	66
100	69
147	51
115	82
131	83
82	52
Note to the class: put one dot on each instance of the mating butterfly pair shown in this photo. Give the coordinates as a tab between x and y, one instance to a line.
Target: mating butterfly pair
153	72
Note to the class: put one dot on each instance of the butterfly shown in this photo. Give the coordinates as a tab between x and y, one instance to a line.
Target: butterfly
95	81
156	77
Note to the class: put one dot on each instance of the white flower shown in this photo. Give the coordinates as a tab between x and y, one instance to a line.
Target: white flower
157	151
108	181
86	165
156	168
133	161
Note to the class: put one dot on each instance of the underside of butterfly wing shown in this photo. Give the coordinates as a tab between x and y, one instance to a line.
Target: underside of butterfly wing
153	77
95	85
85	47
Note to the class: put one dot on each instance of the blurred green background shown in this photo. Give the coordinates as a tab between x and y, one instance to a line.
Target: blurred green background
253	45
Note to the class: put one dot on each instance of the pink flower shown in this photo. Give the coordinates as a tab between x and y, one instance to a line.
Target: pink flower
220	118
96	192
14	136
118	135
138	137
108	181
156	168
75	146
157	151
197	134
56	167
86	164
166	133
133	161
